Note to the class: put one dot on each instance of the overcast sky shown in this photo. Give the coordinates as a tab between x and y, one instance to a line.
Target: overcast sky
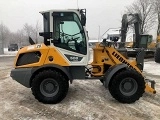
104	13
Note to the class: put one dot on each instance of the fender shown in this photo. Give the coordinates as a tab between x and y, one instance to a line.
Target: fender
65	70
111	71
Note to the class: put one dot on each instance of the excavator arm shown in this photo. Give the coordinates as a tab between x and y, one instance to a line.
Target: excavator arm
129	19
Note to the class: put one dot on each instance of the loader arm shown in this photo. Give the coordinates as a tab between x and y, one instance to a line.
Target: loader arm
117	58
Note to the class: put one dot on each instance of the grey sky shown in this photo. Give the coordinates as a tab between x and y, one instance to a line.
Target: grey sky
104	13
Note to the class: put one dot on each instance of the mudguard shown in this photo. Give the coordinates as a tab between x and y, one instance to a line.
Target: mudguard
65	70
25	75
111	71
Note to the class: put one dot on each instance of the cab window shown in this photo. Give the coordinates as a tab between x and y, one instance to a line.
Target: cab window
68	32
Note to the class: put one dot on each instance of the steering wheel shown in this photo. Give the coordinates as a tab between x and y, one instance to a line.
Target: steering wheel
76	33
62	34
75	39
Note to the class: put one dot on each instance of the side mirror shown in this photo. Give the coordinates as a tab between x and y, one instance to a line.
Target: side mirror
83	21
83	17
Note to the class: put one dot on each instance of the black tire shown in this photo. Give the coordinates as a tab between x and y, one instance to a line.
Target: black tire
49	87
101	80
157	55
127	86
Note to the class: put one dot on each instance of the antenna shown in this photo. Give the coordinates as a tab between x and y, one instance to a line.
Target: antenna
77	5
99	33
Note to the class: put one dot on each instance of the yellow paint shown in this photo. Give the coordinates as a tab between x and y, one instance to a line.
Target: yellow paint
151	45
149	89
158	38
45	53
57	57
100	59
129	44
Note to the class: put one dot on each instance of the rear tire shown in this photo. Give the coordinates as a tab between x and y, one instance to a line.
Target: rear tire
50	87
127	86
157	55
101	80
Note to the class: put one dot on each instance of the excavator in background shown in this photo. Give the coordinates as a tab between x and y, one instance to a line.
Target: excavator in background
157	53
140	40
137	40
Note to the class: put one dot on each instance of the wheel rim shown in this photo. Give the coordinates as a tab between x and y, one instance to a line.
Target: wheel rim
128	86
49	87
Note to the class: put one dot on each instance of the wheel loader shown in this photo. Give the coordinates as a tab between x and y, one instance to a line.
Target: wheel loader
49	67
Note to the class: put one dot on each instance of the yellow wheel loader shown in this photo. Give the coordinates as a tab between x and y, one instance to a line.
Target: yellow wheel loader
48	68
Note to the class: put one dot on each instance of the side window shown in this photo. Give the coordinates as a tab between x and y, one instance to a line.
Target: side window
150	38
69	33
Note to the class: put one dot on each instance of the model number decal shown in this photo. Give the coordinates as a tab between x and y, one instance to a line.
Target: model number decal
73	58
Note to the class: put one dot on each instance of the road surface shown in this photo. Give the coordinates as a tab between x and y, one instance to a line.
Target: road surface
86	100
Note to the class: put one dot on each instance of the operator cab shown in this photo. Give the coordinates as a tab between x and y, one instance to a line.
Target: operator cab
143	41
65	30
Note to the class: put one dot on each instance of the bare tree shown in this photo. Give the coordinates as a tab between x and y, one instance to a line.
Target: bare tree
156	4
4	31
32	31
21	38
28	29
145	9
37	30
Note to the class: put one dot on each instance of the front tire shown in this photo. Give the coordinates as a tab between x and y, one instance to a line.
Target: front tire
127	86
157	55
50	87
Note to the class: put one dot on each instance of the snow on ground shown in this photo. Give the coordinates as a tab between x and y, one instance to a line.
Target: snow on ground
152	67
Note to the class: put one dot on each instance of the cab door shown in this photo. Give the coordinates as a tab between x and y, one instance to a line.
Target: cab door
69	37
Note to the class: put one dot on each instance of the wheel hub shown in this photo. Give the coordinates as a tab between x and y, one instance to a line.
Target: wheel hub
128	86
49	87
